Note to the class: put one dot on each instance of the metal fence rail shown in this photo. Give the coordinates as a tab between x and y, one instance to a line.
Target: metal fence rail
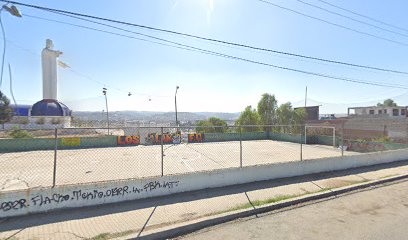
44	158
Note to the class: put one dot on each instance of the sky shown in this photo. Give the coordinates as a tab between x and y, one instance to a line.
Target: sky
151	72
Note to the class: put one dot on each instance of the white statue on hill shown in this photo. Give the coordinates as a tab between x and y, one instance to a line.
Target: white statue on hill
49	70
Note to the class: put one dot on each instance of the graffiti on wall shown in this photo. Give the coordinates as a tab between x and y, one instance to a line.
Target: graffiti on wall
154	138
128	140
71	142
86	195
195	137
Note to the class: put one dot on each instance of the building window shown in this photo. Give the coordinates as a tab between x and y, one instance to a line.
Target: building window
385	111
371	111
395	112
379	111
403	112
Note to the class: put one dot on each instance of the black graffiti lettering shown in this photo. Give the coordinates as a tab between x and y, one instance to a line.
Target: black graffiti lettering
77	195
136	190
59	197
157	185
13	205
152	186
47	200
100	194
54	198
36	199
84	196
89	195
108	192
116	192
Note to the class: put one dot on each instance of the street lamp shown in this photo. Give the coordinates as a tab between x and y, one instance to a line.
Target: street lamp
15	12
104	91
175	105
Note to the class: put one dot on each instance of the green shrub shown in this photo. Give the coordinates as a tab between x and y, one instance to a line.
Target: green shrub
24	121
19	133
385	139
40	121
56	121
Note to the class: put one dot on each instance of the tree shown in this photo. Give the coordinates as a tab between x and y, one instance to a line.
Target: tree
267	107
248	117
269	113
6	112
285	114
387	103
299	116
288	116
212	125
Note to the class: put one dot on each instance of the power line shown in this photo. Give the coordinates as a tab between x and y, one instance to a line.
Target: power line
109	32
153	37
83	75
192	48
334	24
352	19
230	43
245	46
364	16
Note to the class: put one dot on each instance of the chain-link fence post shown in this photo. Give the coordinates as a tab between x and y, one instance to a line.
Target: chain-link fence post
54	174
162	152
342	139
301	142
385	131
240	147
406	134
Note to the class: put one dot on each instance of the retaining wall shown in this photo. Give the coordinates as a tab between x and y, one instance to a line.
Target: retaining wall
35	144
221	137
21	202
363	147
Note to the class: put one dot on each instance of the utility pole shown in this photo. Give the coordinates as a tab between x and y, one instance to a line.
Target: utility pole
104	90
175	105
14	12
305	98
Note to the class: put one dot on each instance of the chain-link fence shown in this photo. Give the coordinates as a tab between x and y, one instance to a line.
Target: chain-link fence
39	158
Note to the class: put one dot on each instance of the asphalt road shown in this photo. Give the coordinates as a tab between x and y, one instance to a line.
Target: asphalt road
380	213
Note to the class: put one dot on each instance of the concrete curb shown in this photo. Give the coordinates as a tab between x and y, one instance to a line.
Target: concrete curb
192	226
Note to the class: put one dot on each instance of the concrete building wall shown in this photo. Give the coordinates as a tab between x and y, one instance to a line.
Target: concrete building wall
369	127
400	112
396	128
43	122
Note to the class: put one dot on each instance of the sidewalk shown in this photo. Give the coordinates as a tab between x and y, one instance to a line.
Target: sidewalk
142	217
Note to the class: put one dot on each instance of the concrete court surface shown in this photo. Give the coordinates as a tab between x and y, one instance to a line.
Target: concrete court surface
33	169
148	216
381	213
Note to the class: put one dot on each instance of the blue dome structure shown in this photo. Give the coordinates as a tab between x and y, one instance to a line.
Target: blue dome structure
50	107
21	110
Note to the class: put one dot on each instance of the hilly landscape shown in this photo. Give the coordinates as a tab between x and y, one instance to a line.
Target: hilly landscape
153	116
